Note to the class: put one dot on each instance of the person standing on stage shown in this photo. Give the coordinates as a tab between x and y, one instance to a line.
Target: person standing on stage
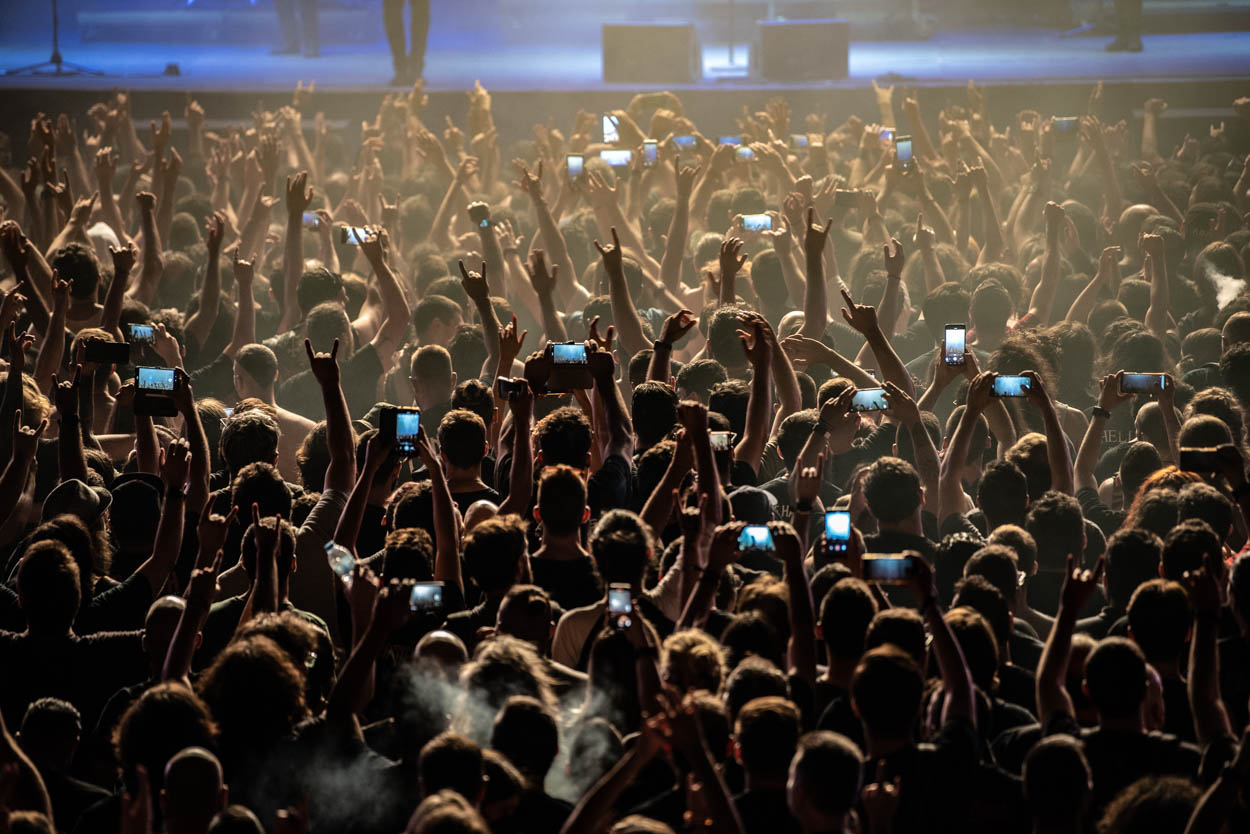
292	43
409	66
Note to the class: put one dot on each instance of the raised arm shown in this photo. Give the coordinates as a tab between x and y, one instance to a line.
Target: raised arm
70	457
298	196
1107	277
624	313
152	266
1203	681
521	477
1056	441
863	318
1044	294
377	454
960	700
446	535
544	284
24	444
1078	585
123	262
1156	268
678	231
802	646
396	313
197	439
950	483
675	327
1091	444
201	322
619	428
341	473
200	593
245	317
815	302
903	409
175	460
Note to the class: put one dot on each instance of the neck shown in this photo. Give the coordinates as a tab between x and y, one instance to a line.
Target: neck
840	671
910	525
267	397
1169	670
561	547
1132	724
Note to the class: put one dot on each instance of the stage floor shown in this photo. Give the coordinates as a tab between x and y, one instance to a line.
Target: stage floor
518	63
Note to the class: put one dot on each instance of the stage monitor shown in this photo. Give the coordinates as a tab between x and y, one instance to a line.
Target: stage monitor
803	50
654	53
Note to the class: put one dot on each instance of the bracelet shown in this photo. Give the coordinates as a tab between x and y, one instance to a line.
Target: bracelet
1099	411
803	507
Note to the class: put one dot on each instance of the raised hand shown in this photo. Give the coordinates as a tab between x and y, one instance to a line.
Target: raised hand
542	280
1109	395
324	366
730	261
840	420
602	342
1036	393
862	317
124	258
685	181
693	417
298	194
1079	584
677	325
475	284
756	344
902	407
612	255
244	272
160	135
925	238
26	441
174	464
65	394
510	343
893	261
212	529
17	347
806	481
215	231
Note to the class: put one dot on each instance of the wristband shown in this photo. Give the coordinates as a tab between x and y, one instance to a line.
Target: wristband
1099	411
803	507
660	344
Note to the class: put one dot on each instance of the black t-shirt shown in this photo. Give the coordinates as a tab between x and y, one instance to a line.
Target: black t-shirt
765	810
1118	759
943	779
1043	595
1092	507
611	487
216	379
572	583
464	500
464	624
361	372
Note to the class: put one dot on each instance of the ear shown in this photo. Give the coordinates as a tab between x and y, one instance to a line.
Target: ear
454	380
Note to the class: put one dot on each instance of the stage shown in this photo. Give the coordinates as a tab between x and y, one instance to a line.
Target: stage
557	69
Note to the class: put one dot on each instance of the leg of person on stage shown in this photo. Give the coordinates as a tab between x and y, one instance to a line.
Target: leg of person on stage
308	19
393	22
289	26
420	32
1128	19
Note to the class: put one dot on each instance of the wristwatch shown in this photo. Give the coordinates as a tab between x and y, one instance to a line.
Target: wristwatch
803	506
1099	411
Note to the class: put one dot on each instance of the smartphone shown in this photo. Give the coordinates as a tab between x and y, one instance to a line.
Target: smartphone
902	150
620	604
573	353
744	154
510	389
311	220
575	161
953	353
611	129
103	352
354	235
843	198
756	537
342	562
650	152
1199	460
722	441
888	568
1006	385
837	531
798	140
1064	124
886	134
730	140
155	380
869	399
401	425
684	141
1138	383
617	158
757	222
426	596
142	334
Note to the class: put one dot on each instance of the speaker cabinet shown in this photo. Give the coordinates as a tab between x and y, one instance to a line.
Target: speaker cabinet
653	53
803	50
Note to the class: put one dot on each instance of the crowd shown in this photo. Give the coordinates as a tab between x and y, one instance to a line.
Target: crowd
426	481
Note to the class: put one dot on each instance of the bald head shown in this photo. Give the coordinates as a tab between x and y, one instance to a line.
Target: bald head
525	613
193	792
443	648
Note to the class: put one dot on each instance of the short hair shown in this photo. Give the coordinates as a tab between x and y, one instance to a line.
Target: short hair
793	434
1159	616
1029	454
434	308
1003	493
1021	543
526	731
1185	546
979	594
722	335
1058	781
561	500
50	731
325	323
767	732
249	437
261	484
1132	558
621	546
978	644
467	348
900	627
655	412
1115	673
462	438
946	303
431	363
886	689
476	396
691	659
564	437
77	264
893	489
731	398
260	363
1141	460
48	587
845	614
408	553
317	286
700	377
493	551
451	761
755	677
828	767
1206	503
999	565
1056	524
1152	803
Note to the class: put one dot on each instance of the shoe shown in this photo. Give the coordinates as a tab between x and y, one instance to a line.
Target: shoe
289	49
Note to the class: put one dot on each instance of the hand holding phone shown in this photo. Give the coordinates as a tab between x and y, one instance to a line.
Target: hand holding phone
401	426
756	537
621	605
888	568
837	531
953	350
869	399
1011	385
1142	383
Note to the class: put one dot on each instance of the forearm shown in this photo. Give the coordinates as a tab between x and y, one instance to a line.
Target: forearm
447	540
553	325
660	366
992	250
927	464
354	686
150	270
1149	136
182	647
625	314
51	349
933	275
1087	456
802	648
12	484
157	567
201	323
1057	452
69	452
1084	303
147	449
657	511
1214	808
350	520
956	680
595	809
921	141
795	281
750	448
787	383
1157	312
292	267
1203	685
244	321
521	477
1053	667
675	246
110	318
950	479
891	367
815	302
